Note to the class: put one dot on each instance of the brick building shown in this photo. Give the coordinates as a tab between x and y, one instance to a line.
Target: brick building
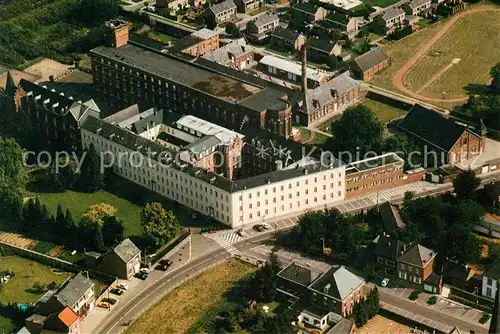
197	44
369	63
443	138
130	74
221	12
56	117
287	39
237	55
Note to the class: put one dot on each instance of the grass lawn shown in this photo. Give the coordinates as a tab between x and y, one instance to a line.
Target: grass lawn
319	139
27	272
77	203
181	309
469	43
160	37
6	325
380	3
383	112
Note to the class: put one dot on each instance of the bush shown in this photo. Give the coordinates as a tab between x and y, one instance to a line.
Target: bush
414	295
432	300
484	319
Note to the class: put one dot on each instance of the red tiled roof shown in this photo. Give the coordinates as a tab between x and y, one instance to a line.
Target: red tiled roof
67	316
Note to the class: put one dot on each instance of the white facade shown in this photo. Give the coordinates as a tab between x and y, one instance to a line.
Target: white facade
489	287
312	189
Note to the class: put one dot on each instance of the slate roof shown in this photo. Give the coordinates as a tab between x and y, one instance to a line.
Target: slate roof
306	7
74	290
391	13
340	280
152	118
299	274
417	255
417	3
264	19
388	247
321	45
203	144
343	326
222	6
223	54
126	250
204	33
339	18
391	217
432	127
371	59
286	34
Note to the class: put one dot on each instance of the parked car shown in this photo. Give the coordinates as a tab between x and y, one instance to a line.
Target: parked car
258	228
266	226
240	232
122	286
145	270
103	305
141	275
117	292
111	301
164	265
385	281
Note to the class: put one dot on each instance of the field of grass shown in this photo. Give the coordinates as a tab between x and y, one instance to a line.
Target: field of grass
383	112
185	306
77	203
469	41
380	3
27	272
160	37
6	325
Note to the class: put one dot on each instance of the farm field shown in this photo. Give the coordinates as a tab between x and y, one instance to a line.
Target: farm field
27	272
383	112
468	44
78	202
187	305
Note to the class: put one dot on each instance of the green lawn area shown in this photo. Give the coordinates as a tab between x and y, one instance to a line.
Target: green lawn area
468	44
6	325
383	112
191	307
27	272
319	139
160	37
78	202
380	3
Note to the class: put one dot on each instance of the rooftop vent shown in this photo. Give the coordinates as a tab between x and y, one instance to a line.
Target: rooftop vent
111	136
197	172
212	179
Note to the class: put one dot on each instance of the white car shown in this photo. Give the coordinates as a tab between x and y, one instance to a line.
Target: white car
385	281
145	270
266	226
122	286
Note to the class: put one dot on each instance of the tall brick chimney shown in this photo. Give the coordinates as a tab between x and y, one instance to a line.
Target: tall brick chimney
304	66
117	32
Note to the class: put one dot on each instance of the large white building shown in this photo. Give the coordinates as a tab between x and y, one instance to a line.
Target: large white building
305	185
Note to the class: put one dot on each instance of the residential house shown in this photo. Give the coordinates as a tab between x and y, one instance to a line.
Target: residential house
386	252
77	294
65	321
343	22
391	217
369	63
416	266
491	279
417	7
390	19
197	44
287	39
247	6
168	6
221	12
259	29
445	140
334	290
307	12
237	55
122	261
321	49
56	118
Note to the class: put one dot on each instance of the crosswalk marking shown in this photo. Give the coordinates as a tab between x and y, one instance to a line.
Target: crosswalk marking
392	193
226	241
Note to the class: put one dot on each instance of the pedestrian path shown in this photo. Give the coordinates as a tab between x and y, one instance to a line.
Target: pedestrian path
385	195
226	241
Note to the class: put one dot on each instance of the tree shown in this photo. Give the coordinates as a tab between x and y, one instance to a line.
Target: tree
466	184
112	230
96	214
232	29
262	286
158	224
356	131
12	179
60	218
91	178
97	238
495	79
95	12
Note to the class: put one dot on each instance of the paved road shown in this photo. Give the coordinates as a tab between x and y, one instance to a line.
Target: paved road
129	310
426	312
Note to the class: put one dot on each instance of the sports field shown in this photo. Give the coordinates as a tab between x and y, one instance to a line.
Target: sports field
463	56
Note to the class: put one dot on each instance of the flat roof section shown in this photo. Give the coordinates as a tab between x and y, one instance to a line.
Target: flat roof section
295	68
172	139
226	88
374	162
